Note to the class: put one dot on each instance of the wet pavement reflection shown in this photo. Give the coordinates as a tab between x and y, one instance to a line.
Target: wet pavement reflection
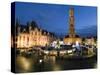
35	63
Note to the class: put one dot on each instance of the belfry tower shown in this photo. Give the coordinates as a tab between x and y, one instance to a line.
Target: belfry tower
71	37
71	23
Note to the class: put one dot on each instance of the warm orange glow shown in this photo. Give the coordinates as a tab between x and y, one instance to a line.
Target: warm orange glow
33	38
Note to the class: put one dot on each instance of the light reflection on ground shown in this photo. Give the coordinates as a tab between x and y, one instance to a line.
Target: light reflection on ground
51	63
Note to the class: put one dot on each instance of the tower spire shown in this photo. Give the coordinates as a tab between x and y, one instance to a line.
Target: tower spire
71	23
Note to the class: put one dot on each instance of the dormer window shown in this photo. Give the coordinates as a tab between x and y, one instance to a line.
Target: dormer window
30	27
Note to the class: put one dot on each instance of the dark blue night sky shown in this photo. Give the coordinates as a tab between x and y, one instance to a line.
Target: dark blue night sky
55	18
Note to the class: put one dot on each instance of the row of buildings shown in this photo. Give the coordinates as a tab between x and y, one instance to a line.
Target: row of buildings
31	35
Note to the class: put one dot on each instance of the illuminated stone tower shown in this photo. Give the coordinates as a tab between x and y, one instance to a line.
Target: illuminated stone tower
71	23
71	37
